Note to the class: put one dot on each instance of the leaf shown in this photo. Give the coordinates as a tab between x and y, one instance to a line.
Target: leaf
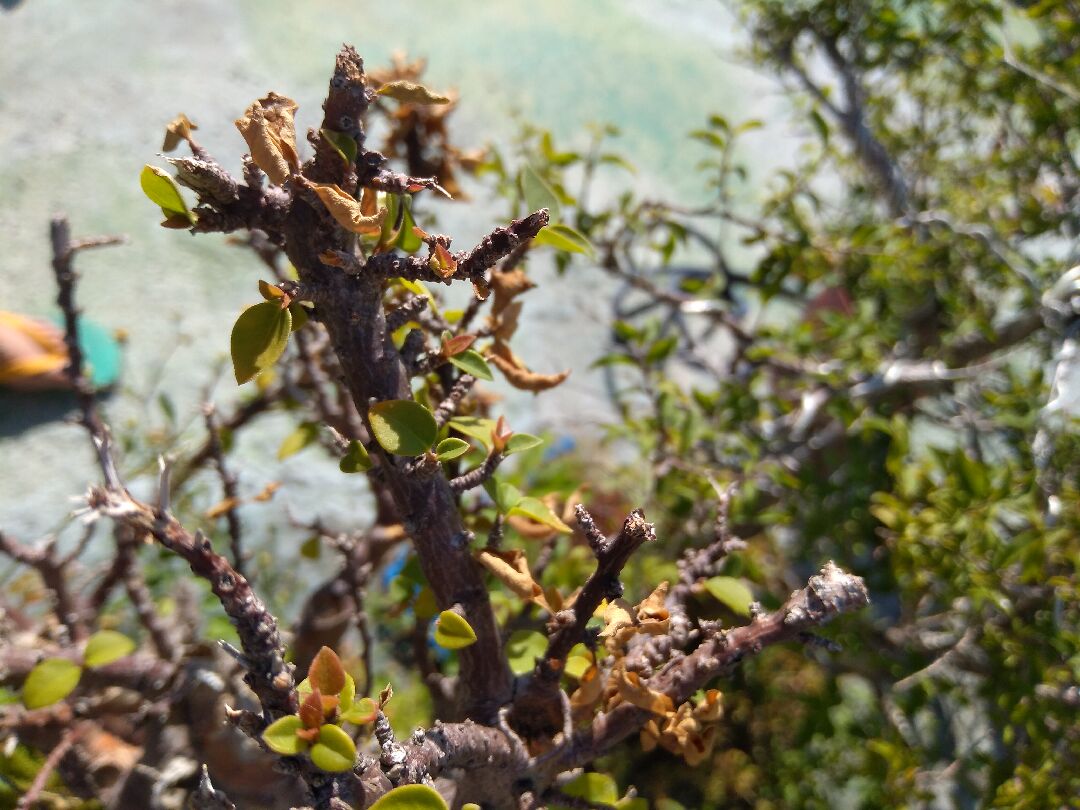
456	344
346	209
410	797
356	459
732	592
326	672
452	632
267	127
521	442
407	239
305	434
335	751
538	194
451	448
50	681
523	648
311	549
519	376
343	144
511	568
578	661
280	736
106	646
563	237
259	338
299	315
411	93
159	186
506	496
402	426
476	427
597	788
179	129
535	509
362	712
472	362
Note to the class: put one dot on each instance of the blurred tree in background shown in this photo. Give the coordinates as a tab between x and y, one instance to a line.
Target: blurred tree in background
869	357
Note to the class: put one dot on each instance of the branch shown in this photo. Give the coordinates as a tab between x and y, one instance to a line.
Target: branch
229	488
53	573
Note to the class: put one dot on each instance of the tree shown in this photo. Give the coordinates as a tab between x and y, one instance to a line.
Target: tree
857	394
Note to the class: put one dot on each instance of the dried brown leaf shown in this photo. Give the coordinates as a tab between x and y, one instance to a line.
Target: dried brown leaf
177	130
347	210
267	126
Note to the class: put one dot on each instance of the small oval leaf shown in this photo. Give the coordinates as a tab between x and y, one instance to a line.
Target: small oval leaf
732	592
535	509
106	646
335	751
476	427
259	338
326	672
305	434
356	459
159	186
520	442
402	426
410	797
362	711
563	237
523	648
451	448
472	362
538	194
50	681
280	736
452	632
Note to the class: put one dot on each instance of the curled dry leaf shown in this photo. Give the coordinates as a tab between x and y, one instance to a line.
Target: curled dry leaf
347	210
179	129
505	324
529	529
632	690
690	731
518	375
508	286
267	126
652	614
511	568
587	695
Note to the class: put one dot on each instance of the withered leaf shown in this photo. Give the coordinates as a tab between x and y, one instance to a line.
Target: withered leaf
347	210
522	378
409	92
177	130
508	286
632	690
511	568
267	126
652	614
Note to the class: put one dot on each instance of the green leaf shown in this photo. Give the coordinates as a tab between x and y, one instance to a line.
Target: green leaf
311	548
451	448
523	648
259	338
159	186
363	711
411	93
520	442
506	496
452	632
402	426
598	788
472	362
299	315
50	681
538	194
342	143
106	646
732	592
280	736
563	237
408	241
661	349
306	433
356	459
535	509
476	427
335	751
578	661
470	806
410	797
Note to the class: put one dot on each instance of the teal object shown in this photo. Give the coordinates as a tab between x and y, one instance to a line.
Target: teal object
102	357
